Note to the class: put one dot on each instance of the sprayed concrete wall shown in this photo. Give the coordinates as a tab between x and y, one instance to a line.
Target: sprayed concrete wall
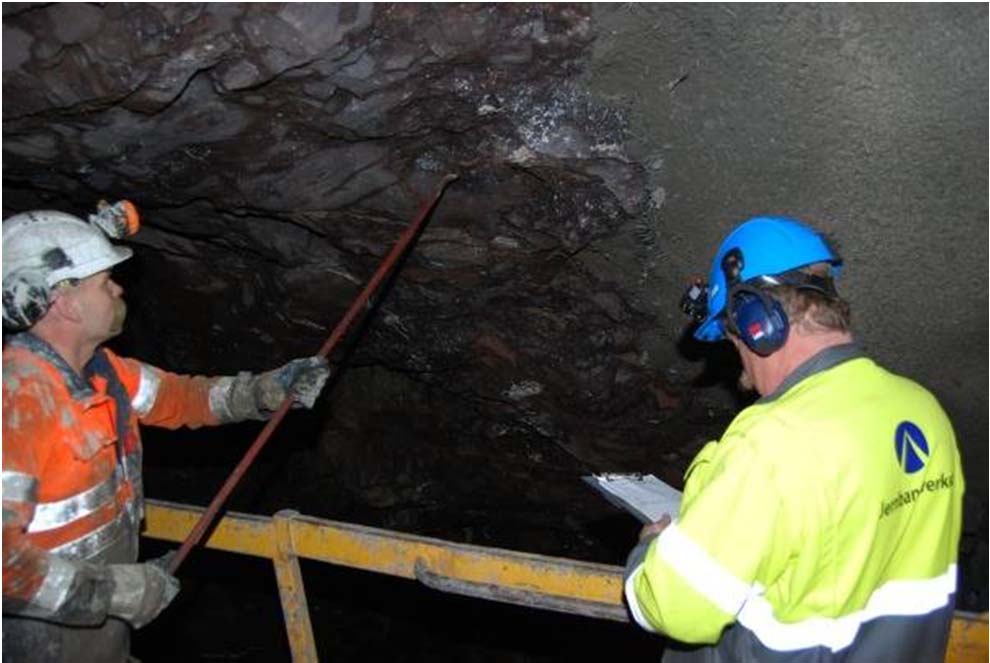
870	121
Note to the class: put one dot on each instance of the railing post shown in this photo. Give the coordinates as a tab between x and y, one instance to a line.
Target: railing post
292	591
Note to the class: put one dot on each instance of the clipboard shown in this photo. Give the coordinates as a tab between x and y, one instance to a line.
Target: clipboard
644	496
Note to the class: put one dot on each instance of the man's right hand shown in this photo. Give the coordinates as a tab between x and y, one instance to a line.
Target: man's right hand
141	591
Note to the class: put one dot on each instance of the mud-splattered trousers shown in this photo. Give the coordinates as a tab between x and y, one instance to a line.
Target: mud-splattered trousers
72	492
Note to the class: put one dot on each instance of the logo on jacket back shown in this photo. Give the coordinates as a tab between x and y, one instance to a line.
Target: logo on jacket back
911	447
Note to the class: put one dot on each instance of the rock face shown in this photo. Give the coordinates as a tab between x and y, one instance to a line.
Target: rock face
277	151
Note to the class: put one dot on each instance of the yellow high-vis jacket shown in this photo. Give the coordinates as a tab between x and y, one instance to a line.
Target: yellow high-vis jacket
823	526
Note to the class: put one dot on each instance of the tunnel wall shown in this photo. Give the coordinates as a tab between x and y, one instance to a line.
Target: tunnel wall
868	120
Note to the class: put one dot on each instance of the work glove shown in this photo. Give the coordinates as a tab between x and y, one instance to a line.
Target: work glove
163	562
257	396
141	591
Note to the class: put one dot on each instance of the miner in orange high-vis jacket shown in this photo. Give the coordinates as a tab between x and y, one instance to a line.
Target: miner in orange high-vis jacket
72	491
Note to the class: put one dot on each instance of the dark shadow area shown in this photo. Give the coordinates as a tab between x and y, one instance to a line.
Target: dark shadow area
721	366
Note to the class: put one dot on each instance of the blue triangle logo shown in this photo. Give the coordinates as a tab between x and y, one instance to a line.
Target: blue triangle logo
911	447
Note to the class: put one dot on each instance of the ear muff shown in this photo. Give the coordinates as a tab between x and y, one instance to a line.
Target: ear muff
750	313
25	298
757	319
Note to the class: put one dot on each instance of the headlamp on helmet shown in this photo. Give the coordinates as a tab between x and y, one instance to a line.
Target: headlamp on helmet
694	302
117	220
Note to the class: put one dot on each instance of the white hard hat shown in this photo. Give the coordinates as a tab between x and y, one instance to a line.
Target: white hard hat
43	248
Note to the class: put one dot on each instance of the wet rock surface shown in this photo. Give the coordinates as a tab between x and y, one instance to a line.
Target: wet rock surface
277	151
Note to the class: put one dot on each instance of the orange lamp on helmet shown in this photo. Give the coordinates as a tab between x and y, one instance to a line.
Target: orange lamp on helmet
117	220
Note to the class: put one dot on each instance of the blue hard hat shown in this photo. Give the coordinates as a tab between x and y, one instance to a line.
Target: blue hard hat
770	245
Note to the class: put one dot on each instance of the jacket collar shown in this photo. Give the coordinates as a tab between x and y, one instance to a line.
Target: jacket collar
79	388
824	360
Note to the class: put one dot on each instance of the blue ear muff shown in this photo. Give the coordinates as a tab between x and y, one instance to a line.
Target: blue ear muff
758	320
751	314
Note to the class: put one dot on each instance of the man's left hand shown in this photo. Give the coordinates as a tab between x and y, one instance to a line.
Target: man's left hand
300	379
651	530
304	379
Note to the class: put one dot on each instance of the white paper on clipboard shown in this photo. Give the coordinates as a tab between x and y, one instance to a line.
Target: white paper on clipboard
643	495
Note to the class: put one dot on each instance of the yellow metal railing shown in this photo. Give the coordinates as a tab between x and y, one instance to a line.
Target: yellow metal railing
967	639
549	583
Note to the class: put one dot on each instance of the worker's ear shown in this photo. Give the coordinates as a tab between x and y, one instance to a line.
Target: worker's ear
66	304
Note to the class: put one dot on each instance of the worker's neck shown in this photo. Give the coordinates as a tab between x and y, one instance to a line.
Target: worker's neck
799	348
66	342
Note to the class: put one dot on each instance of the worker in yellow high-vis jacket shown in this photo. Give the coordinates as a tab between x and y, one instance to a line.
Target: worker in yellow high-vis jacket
824	525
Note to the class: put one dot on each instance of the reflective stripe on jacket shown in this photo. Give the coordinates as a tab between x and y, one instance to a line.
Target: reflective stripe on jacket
72	489
823	526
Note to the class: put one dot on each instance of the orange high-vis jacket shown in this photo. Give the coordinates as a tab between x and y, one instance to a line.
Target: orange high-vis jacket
72	487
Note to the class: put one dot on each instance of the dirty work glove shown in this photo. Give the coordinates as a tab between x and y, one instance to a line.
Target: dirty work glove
164	561
256	396
141	591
